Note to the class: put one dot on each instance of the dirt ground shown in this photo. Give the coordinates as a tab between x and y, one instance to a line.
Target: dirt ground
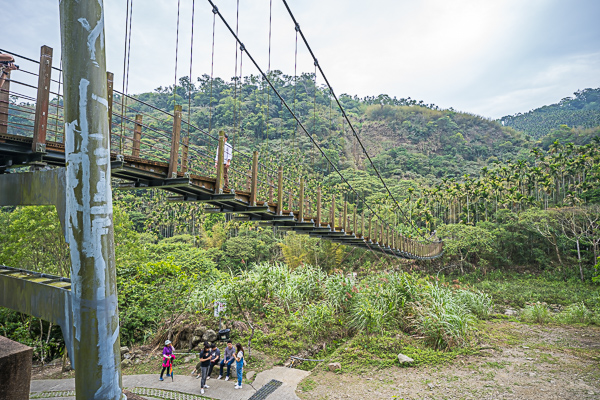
517	361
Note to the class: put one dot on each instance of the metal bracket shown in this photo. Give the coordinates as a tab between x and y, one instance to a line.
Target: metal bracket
40	147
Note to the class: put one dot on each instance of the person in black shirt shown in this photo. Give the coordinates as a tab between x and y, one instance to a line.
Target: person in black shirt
204	366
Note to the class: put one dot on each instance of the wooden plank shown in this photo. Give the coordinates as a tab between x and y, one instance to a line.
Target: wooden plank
43	101
4	102
174	159
137	136
220	159
280	191
344	224
254	179
318	222
332	213
184	154
362	224
301	201
354	227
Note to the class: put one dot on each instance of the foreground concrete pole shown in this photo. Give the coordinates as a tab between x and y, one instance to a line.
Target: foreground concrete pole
15	370
89	202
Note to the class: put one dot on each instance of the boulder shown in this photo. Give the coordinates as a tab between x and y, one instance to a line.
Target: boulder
240	326
124	350
209	336
404	359
196	340
189	358
126	363
334	366
250	375
199	331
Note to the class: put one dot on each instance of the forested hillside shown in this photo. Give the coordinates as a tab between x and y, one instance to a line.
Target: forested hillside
502	203
581	111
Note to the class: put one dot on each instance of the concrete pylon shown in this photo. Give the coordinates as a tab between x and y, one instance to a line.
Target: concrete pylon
89	202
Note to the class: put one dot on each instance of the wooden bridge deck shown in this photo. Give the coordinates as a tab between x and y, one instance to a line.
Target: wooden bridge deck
150	156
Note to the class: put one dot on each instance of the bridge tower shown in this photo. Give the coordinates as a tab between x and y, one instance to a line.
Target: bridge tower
89	225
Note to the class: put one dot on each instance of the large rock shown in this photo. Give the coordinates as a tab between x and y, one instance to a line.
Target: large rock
209	336
196	341
199	331
126	363
240	326
15	369
188	359
124	349
334	366
404	359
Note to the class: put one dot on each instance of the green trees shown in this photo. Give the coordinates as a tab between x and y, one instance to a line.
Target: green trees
580	111
31	238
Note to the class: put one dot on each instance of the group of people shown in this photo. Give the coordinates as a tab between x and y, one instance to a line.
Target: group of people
209	357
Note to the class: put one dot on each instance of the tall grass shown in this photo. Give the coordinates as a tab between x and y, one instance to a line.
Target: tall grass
576	313
375	304
443	318
537	313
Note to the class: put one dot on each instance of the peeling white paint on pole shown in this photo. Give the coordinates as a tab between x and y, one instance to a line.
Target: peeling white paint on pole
89	203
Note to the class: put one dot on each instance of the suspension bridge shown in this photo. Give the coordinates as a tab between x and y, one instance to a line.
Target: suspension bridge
79	136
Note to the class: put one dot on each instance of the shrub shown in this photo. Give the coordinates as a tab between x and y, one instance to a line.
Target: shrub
318	317
478	303
538	313
442	318
576	313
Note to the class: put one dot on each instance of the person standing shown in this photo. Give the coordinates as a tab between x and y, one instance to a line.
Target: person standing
204	366
228	359
239	365
7	64
215	357
168	358
227	156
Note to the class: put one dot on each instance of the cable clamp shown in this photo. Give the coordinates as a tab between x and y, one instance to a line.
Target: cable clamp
242	47
297	27
316	63
215	10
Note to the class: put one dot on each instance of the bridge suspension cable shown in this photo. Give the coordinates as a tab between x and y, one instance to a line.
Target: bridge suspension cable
317	65
310	136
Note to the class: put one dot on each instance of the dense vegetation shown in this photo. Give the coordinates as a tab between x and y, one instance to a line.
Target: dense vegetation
580	111
506	206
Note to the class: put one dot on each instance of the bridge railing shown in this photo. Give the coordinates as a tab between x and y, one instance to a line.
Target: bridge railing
31	101
32	106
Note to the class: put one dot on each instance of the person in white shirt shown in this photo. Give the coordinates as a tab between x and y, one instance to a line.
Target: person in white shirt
227	155
239	365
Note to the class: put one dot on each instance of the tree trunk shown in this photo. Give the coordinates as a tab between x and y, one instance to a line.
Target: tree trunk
579	260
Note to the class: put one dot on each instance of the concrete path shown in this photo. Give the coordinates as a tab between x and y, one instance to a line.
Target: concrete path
149	386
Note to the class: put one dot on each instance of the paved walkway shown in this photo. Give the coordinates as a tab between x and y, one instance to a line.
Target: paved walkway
183	387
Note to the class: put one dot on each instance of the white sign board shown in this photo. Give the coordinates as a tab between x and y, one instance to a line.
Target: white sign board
219	307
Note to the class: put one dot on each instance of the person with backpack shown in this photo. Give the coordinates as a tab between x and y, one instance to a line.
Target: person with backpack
168	358
239	365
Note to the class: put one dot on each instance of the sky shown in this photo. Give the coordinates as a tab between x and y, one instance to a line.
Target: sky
491	58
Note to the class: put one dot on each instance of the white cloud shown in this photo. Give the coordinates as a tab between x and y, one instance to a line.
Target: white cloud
487	57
